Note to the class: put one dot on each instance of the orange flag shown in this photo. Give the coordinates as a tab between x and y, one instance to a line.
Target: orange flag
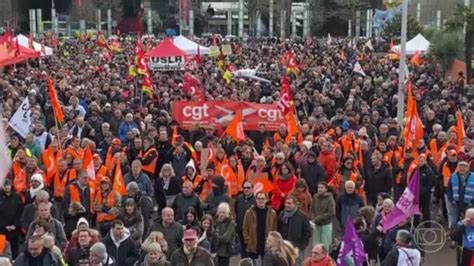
88	164
58	112
460	129
119	183
292	125
235	129
262	184
416	59
174	134
413	125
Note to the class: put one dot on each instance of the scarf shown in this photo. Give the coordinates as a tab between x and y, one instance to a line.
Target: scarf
287	215
34	191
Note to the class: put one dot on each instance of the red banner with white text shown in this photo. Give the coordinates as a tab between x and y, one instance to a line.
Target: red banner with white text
188	114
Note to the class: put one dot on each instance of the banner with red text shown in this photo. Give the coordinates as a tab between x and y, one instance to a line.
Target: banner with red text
188	114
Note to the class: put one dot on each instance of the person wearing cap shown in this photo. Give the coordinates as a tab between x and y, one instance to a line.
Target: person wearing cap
459	192
190	253
36	185
11	207
98	256
107	203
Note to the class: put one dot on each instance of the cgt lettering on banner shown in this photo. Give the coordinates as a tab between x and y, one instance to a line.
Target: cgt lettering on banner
170	63
196	112
271	115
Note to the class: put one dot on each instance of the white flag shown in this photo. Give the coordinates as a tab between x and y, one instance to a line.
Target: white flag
5	161
21	120
329	39
358	69
369	45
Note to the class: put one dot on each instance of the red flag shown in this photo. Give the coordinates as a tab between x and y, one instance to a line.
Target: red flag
88	164
191	86
174	134
58	112
101	41
286	96
413	126
235	128
140	57
416	59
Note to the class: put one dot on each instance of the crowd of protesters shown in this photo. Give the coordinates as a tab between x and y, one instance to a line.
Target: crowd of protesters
347	161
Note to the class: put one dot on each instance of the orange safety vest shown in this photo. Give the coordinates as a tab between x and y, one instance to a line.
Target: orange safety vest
206	189
349	144
195	181
76	154
411	169
75	195
3	243
60	183
446	173
103	216
99	173
277	137
151	167
51	162
233	180
437	153
19	178
109	161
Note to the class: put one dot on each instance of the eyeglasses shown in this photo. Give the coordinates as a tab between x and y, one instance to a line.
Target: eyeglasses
247	187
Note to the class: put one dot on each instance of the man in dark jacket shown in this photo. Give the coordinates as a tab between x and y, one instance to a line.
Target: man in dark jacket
428	179
190	249
36	254
187	198
11	207
82	248
378	178
120	245
218	195
463	234
348	204
294	226
403	253
172	231
243	202
313	173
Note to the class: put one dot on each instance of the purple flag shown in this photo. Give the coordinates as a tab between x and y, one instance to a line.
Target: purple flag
407	206
352	251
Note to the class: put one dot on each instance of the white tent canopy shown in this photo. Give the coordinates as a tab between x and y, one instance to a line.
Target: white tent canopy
188	46
419	43
24	41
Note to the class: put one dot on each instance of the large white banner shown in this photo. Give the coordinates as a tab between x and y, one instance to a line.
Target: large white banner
21	120
171	63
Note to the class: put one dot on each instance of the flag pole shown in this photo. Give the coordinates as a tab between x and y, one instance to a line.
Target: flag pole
402	64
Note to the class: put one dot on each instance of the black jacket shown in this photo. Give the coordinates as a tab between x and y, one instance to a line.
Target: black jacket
242	204
46	258
181	204
127	251
427	180
76	254
10	210
297	230
313	173
274	259
378	180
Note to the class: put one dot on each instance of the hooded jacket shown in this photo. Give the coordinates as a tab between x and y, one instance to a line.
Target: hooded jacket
218	195
313	173
123	250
